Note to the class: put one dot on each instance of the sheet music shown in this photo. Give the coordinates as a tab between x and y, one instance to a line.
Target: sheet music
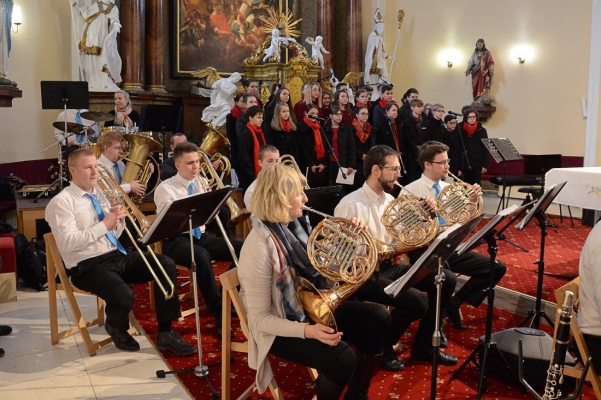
502	149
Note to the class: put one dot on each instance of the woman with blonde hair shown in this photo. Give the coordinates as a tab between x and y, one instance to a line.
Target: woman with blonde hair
283	131
311	95
271	259
124	115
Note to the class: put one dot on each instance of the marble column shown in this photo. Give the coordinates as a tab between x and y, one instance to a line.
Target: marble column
354	44
131	45
156	31
325	29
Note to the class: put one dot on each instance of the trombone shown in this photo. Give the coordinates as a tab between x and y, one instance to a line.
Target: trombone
113	192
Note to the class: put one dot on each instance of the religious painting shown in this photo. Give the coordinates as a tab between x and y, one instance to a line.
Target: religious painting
219	33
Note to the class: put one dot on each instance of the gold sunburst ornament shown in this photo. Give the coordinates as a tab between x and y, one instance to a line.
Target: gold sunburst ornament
281	21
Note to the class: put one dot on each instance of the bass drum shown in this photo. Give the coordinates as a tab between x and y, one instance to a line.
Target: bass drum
96	148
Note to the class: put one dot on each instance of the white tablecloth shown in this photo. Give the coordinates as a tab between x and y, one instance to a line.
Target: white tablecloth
583	187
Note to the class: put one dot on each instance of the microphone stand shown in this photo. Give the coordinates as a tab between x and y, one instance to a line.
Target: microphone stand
464	154
332	150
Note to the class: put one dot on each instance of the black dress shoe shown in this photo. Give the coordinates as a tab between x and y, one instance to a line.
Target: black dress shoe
5	330
424	353
171	340
122	339
444	343
454	316
219	327
394	365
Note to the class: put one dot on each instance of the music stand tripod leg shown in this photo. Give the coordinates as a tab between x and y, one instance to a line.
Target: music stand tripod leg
438	280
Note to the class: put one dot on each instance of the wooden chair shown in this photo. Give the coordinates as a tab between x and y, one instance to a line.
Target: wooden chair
592	376
229	282
158	248
54	265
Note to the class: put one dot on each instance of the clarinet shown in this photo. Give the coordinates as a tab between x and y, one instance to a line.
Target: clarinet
555	371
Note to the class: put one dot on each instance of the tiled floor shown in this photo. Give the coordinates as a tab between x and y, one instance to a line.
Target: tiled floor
34	369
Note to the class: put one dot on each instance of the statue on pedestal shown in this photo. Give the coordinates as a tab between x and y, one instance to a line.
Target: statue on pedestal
6	7
375	55
316	49
96	24
222	96
482	67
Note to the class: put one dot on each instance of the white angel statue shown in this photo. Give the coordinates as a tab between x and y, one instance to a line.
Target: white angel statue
272	53
222	96
316	49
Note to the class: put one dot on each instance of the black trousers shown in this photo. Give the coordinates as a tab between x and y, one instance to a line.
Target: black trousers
206	248
108	276
366	325
477	266
594	348
473	176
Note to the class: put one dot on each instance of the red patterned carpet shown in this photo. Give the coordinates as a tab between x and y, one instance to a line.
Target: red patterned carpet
562	252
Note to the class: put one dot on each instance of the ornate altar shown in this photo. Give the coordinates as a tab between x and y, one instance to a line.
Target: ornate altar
298	69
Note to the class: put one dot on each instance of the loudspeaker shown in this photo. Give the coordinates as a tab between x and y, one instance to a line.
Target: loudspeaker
536	350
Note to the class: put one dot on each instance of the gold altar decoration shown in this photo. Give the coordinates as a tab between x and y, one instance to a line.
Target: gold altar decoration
298	69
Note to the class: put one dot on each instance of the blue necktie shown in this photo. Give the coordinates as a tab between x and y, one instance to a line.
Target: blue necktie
441	220
78	121
196	231
117	173
109	235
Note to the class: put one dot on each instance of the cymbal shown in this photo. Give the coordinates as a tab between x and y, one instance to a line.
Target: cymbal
78	129
97	116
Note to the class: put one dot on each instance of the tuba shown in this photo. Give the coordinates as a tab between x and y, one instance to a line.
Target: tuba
340	252
289	160
212	141
456	203
409	222
138	162
238	215
113	192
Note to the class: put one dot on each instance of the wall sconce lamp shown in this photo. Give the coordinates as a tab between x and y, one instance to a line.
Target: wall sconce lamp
521	60
17	18
449	64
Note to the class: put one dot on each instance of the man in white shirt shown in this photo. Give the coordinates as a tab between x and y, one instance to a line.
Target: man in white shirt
433	159
72	115
206	248
111	150
589	311
86	228
382	168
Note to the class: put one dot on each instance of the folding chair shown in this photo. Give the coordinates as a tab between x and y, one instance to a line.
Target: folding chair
158	248
592	376
54	264
229	282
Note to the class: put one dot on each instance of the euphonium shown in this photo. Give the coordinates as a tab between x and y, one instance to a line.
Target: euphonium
409	222
289	160
212	141
208	172
341	252
458	203
113	192
138	162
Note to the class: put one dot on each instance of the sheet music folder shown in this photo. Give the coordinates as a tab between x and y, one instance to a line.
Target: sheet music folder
444	246
542	204
501	149
173	218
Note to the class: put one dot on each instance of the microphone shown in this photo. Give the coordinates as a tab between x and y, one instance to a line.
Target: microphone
455	114
329	145
310	116
386	81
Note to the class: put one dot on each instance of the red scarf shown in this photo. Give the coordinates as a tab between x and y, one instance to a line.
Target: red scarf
469	129
319	150
383	103
256	131
286	125
362	132
359	104
236	111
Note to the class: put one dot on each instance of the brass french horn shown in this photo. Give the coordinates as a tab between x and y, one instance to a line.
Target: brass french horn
458	203
340	252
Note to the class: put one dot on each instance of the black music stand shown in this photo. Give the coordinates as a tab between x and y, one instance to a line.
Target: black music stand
180	216
162	119
487	235
322	199
502	151
538	212
433	259
61	95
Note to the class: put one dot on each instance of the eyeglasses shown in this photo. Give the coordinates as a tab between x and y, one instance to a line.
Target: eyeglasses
443	162
338	114
393	169
363	113
471	117
439	110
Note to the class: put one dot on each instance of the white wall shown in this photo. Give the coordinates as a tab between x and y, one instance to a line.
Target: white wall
40	51
538	103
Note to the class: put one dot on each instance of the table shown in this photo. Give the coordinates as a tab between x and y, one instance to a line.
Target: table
583	187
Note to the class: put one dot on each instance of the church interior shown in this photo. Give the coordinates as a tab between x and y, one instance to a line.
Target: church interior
543	98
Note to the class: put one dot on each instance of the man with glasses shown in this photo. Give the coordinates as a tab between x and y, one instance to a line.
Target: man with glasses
434	160
382	168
